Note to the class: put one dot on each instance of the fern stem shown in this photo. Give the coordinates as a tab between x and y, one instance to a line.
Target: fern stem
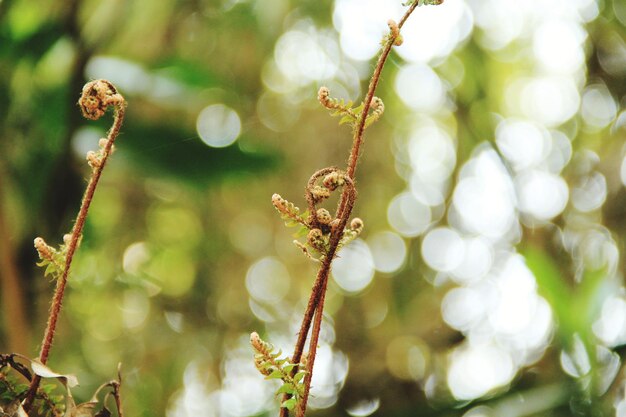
315	306
57	300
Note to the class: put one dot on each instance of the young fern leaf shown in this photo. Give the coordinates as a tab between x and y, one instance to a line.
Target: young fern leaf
289	212
272	366
352	232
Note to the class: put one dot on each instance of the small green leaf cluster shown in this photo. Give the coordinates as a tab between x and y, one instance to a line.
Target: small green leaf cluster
347	112
51	258
272	366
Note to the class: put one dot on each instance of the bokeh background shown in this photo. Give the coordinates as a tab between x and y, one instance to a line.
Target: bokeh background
488	280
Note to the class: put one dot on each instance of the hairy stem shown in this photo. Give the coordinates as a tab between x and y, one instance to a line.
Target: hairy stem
315	306
57	300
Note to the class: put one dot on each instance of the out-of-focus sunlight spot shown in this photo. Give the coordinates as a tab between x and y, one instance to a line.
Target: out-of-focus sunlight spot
530	342
542	194
407	215
599	250
432	33
501	21
175	320
484	197
250	233
476	262
611	326
361	27
329	375
598	106
276	112
576	362
443	249
477	369
557	45
173	270
267	280
273	79
463	308
549	100
612	54
388	251
353	269
523	143
103	320
136	255
306	54
420	88
194	398
364	408
376	313
218	125
590	193
266	312
517	297
622	171
560	152
407	358
432	154
135	309
129	77
86	139
430	194
243	391
608	365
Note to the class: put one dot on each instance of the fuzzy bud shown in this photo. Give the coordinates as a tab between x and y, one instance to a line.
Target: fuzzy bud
102	143
395	32
93	159
356	225
256	342
377	105
67	238
278	202
333	180
323	95
320	193
43	249
323	216
316	239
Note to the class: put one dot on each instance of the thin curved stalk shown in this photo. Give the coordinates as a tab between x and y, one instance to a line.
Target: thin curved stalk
97	96
315	306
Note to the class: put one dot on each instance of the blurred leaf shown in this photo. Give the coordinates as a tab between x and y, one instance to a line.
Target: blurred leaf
179	154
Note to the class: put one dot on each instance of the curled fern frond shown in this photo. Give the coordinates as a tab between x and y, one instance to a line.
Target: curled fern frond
339	107
288	211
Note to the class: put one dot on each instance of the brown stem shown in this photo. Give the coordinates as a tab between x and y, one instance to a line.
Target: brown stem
118	399
57	300
315	306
